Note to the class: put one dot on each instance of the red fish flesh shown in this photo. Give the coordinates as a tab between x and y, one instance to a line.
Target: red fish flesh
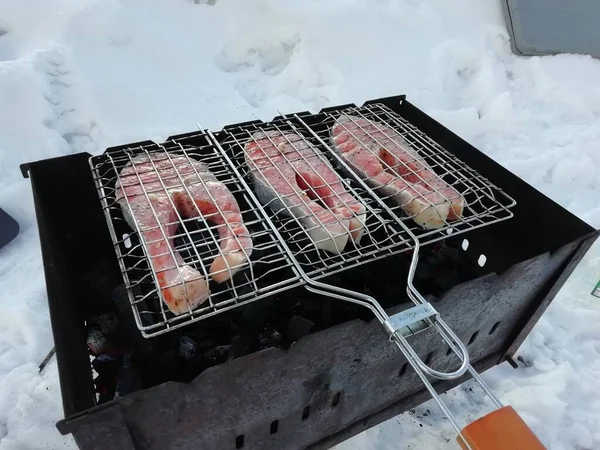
290	175
385	160
151	189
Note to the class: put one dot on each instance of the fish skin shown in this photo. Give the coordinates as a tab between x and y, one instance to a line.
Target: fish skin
149	190
286	170
373	150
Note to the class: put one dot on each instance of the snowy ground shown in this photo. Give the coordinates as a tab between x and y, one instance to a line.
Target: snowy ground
81	75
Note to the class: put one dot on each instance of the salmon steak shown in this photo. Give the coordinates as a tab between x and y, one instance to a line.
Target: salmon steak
291	176
386	161
153	192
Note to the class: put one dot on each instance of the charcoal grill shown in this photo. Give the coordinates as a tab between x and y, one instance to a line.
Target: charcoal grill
289	255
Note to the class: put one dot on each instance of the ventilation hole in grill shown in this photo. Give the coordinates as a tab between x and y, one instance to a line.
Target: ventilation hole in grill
239	441
450	231
274	426
494	327
306	412
428	357
465	244
126	240
403	369
482	260
448	351
473	337
336	399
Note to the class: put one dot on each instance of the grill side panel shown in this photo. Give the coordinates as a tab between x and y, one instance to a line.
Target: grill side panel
62	188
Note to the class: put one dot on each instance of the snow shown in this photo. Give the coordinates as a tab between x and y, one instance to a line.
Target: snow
83	75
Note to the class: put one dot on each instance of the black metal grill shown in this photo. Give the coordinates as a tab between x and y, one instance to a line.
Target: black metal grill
339	376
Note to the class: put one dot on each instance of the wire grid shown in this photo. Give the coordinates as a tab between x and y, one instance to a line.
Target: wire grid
195	239
484	203
281	145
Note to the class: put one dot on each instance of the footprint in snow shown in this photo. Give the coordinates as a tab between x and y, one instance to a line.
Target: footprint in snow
252	91
258	61
7	46
67	101
266	54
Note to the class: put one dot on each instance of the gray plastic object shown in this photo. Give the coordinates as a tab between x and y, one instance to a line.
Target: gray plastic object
546	27
9	228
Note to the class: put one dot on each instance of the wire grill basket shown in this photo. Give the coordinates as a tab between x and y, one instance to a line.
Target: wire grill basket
381	235
376	127
327	219
194	239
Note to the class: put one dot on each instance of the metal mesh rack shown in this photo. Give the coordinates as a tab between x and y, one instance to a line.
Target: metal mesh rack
327	219
194	239
281	143
484	203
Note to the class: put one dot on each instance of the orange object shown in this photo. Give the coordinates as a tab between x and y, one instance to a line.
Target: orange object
502	429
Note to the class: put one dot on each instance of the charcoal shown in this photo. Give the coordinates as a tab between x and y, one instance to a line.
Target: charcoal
97	342
129	378
309	305
425	268
299	327
144	348
254	315
161	368
353	280
105	389
393	294
269	337
215	327
343	311
365	314
107	365
447	256
187	348
325	319
205	344
108	323
98	282
220	351
335	279
243	344
287	302
201	362
107	368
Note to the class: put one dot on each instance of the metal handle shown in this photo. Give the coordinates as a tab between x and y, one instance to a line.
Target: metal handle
441	327
365	300
405	347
